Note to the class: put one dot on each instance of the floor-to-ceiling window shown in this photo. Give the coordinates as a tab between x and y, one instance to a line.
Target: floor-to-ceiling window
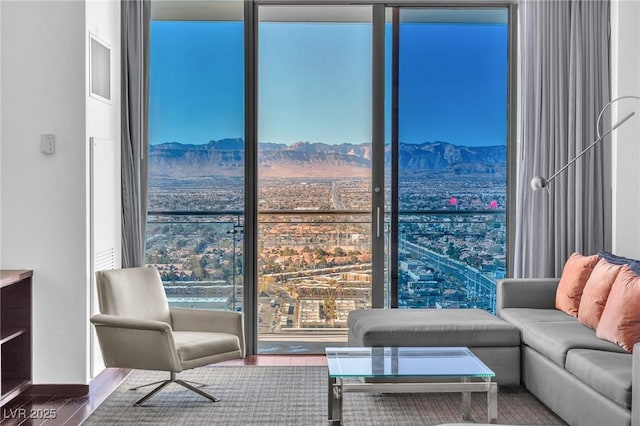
449	128
316	137
196	153
314	173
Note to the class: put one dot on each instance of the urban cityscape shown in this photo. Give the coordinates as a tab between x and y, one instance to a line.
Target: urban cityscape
314	245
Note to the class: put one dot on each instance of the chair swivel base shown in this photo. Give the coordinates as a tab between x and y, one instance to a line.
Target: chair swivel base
172	379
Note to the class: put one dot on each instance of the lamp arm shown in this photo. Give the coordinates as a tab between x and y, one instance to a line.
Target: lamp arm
604	108
539	182
615	126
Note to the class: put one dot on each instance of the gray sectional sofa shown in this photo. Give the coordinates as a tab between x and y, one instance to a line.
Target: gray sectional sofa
583	379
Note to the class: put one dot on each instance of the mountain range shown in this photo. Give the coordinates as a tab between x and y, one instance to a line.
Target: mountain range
225	158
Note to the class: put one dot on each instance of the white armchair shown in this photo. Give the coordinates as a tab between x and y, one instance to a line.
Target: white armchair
137	329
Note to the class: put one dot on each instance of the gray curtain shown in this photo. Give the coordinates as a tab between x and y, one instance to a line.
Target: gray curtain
135	94
564	47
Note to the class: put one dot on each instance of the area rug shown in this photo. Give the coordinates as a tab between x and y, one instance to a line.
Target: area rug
297	395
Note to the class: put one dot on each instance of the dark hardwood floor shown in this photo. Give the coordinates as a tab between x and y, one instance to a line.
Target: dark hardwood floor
54	410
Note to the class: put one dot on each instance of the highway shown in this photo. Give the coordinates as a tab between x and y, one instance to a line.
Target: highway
473	278
335	197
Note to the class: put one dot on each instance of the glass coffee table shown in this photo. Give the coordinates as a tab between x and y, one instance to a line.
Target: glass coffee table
444	369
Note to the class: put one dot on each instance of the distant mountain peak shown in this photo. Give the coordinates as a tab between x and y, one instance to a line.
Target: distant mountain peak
225	157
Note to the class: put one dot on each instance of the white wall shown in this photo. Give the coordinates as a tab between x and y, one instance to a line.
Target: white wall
44	198
625	57
0	134
103	121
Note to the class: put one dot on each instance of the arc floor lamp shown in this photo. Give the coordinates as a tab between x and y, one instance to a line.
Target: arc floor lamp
540	182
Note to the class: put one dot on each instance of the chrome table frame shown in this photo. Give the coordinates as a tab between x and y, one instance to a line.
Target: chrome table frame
337	387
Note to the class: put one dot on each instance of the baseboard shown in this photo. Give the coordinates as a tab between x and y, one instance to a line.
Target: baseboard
104	382
73	391
108	379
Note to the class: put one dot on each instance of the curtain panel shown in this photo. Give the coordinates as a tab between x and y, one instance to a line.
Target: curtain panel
136	18
564	47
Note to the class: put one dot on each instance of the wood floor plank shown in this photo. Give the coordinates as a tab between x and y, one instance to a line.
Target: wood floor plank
71	406
14	413
25	411
44	408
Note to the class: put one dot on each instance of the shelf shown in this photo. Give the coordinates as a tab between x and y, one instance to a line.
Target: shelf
13	388
15	333
12	336
12	276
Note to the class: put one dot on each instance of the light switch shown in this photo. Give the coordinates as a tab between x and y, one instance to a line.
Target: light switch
48	143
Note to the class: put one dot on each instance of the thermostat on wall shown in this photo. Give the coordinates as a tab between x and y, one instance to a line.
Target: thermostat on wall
48	143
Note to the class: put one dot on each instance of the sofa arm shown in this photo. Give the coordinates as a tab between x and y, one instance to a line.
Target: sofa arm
537	293
635	386
136	343
184	319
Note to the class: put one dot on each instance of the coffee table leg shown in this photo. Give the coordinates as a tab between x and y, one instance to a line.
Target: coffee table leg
492	403
334	399
466	402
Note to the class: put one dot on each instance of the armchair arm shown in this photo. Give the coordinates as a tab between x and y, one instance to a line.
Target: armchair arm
136	343
184	319
537	293
635	386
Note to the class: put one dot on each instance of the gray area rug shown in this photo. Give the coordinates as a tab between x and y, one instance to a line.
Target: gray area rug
274	395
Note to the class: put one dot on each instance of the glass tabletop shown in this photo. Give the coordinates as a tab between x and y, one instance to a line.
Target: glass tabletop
405	362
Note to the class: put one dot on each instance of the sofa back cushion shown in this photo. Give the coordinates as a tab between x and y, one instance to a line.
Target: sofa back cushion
614	259
620	320
575	274
596	291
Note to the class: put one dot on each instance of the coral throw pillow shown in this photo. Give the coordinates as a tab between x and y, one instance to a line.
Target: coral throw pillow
574	277
596	291
620	320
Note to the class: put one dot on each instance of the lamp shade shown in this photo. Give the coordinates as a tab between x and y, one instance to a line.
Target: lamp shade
538	182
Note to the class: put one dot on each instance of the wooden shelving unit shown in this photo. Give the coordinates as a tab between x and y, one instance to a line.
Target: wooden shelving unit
15	333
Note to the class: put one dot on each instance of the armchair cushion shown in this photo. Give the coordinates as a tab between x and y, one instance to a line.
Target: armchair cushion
183	319
192	345
133	293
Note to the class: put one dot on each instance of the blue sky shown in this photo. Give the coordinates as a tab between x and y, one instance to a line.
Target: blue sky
315	82
453	83
196	83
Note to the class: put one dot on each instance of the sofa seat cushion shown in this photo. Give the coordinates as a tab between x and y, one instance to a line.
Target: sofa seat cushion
555	339
430	327
553	333
192	345
607	372
523	317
